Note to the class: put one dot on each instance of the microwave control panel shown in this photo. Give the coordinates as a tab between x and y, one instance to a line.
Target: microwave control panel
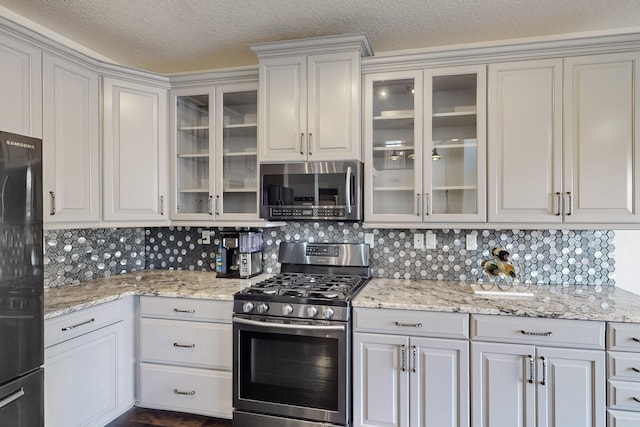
308	212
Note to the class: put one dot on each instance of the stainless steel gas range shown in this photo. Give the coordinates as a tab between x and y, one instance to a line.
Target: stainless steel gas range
292	338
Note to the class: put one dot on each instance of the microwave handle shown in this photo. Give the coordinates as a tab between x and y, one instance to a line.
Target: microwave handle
347	184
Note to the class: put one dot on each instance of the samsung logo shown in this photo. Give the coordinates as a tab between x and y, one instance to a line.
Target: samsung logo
21	144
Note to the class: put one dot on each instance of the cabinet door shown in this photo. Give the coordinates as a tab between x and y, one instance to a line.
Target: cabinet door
333	112
525	141
380	380
454	188
84	379
439	372
393	147
71	143
283	109
236	167
502	393
135	151
571	388
601	139
20	88
192	153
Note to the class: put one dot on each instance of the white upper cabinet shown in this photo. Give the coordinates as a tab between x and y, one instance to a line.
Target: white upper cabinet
309	101
424	134
135	151
580	171
71	143
20	88
214	152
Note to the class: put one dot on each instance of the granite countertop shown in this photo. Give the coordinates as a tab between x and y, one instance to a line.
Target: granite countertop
165	283
558	302
604	303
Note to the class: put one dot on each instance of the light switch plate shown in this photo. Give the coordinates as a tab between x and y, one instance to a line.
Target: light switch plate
418	241
472	241
206	237
430	240
368	239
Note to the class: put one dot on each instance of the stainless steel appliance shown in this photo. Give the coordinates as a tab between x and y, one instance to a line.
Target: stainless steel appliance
292	338
240	254
312	190
21	282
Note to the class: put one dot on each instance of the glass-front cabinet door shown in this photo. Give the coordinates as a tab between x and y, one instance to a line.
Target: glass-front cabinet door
215	153
393	146
425	145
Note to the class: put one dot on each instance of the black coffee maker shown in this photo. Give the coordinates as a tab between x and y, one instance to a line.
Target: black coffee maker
228	264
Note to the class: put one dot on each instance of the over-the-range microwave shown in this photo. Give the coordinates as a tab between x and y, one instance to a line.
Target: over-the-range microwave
312	190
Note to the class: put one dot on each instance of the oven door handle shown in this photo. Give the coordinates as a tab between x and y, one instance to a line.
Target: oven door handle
289	326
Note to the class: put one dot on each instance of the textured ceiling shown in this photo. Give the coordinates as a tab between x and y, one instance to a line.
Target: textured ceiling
169	36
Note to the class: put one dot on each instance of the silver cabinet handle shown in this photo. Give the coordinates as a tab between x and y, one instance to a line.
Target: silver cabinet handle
544	371
217	209
570	196
68	328
209	205
418	204
347	185
531	368
427	201
309	144
184	393
559	203
409	325
12	397
414	352
301	143
403	353
537	334
177	310
52	195
175	344
162	205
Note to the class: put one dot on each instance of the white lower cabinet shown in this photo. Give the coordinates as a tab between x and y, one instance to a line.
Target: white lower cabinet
186	355
528	384
89	365
623	374
404	379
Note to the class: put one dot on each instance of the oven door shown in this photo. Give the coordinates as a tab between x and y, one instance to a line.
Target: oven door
291	370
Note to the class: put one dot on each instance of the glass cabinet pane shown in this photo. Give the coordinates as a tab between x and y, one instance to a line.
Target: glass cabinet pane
239	152
454	156
192	148
394	155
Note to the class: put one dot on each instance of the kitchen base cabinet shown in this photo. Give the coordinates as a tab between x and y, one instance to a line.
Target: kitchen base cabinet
402	380
186	355
89	377
623	374
623	419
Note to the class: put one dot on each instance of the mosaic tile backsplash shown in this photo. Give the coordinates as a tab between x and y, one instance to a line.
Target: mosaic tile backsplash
545	256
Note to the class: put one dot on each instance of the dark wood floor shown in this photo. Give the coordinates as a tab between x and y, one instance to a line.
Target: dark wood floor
141	417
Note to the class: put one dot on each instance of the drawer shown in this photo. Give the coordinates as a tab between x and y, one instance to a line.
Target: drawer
201	310
624	395
411	322
623	336
623	419
538	331
186	343
197	391
67	326
623	366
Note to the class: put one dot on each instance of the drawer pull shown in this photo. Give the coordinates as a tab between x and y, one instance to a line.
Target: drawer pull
409	325
177	310
175	344
538	334
636	399
184	393
635	370
68	328
636	339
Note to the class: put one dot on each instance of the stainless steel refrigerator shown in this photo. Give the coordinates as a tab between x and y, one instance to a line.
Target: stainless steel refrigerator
21	282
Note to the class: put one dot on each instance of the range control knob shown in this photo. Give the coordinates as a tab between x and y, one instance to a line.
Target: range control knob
287	309
312	311
262	308
327	313
247	307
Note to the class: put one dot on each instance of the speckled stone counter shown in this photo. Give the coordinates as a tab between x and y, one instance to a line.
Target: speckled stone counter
559	302
166	283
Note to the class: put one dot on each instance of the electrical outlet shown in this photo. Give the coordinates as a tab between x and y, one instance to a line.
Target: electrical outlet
368	239
431	241
418	241
206	237
472	241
